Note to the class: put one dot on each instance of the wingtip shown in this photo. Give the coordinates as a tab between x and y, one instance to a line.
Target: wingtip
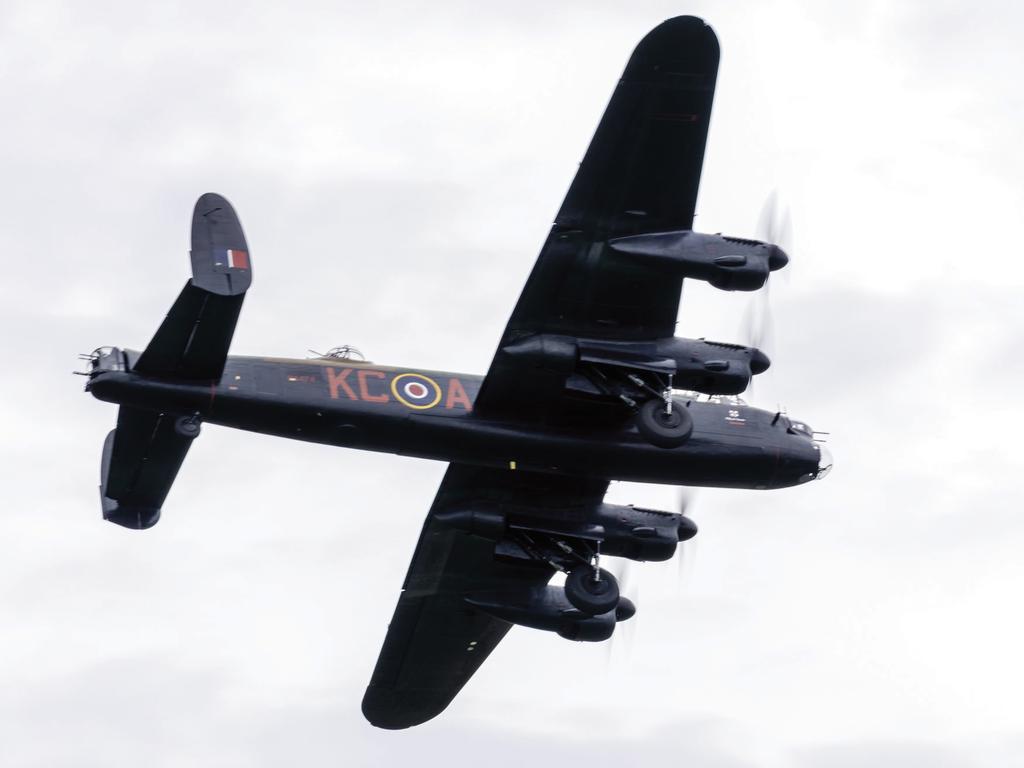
395	710
683	40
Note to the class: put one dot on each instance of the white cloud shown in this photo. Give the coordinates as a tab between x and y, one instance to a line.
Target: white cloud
396	171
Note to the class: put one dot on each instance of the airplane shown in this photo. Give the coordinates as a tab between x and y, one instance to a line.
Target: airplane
589	384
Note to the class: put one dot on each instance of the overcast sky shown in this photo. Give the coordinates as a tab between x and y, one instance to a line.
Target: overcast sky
396	171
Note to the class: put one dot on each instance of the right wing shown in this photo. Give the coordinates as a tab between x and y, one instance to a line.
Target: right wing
436	640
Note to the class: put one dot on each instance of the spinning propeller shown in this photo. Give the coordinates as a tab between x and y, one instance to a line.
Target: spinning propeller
774	226
625	631
686	553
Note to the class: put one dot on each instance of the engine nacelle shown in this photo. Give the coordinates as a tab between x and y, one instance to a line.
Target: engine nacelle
642	534
547	608
715	368
729	263
635	533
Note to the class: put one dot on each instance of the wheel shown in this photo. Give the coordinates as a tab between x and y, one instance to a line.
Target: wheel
589	595
665	430
187	426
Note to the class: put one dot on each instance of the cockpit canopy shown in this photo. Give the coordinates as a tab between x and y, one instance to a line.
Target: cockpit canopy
345	352
800	428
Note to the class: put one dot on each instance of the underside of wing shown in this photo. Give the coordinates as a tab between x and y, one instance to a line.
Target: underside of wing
639	177
440	635
490	544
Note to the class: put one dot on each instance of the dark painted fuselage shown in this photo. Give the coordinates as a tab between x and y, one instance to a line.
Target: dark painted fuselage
429	414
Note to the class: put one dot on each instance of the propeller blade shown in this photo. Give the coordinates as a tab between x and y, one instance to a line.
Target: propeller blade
687	559
685	501
687	549
758	325
767	218
625	630
775	226
625	570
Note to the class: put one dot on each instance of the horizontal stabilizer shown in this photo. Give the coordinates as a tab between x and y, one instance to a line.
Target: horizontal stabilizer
192	342
141	458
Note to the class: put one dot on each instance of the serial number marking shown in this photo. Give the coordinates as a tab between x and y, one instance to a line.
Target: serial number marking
413	390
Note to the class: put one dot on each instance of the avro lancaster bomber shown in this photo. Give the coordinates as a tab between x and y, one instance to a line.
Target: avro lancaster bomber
588	384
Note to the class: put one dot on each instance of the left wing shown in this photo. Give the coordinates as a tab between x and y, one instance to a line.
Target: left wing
639	176
437	640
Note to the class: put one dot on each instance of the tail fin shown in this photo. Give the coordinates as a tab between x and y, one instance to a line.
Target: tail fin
192	342
142	456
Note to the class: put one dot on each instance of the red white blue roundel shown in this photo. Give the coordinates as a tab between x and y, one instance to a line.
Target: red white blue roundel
416	390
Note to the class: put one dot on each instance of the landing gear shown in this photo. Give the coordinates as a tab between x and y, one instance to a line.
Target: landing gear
589	588
592	590
664	422
188	426
660	418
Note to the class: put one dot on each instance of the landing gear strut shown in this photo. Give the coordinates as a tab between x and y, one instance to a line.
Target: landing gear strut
588	587
661	419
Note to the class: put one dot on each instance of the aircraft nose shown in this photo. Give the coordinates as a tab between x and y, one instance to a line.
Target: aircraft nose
824	462
777	259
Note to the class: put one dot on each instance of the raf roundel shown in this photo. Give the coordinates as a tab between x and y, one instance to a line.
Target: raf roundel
416	391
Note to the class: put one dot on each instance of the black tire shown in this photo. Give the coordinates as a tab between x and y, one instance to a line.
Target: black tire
591	596
187	426
665	430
